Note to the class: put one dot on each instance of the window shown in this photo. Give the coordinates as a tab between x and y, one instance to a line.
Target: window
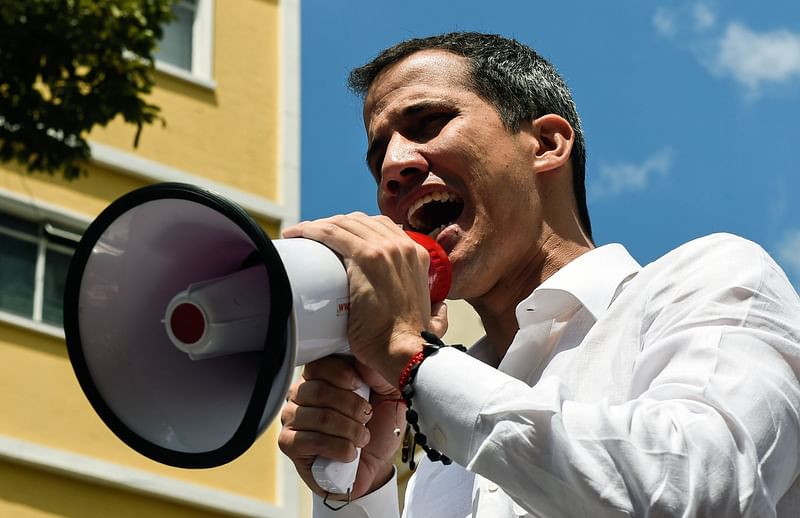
185	50
34	259
176	47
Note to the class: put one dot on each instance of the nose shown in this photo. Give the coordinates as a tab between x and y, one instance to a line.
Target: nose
403	164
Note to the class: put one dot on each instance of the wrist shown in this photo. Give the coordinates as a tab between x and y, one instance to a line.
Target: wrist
405	347
433	344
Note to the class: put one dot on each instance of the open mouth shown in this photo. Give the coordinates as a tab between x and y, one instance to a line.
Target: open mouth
433	212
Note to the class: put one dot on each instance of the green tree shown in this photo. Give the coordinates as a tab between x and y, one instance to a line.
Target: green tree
68	65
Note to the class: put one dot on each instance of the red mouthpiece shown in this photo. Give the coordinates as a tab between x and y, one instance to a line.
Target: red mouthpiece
440	273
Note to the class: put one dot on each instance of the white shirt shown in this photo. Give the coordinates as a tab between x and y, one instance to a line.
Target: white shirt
668	390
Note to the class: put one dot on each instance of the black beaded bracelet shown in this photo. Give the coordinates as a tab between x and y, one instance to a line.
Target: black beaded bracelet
432	345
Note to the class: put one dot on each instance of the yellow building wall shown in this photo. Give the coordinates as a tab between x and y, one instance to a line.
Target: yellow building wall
229	135
32	493
42	403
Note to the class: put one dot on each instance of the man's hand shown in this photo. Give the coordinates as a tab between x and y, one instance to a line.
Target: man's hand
323	416
389	298
389	306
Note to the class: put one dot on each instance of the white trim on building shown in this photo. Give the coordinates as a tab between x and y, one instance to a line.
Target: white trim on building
34	209
289	155
154	171
117	476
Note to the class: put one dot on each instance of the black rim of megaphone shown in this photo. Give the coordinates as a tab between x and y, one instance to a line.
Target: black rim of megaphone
272	358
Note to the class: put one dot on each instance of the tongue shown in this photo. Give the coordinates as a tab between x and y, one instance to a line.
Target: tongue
440	272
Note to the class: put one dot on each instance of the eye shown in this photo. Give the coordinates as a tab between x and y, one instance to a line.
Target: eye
375	164
374	158
430	124
418	124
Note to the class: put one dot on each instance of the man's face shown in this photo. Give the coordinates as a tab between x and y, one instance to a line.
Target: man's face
446	166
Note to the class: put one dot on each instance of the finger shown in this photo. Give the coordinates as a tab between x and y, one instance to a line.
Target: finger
320	394
359	235
347	234
363	227
329	422
294	230
382	238
305	444
309	229
382	225
392	226
439	322
380	389
335	370
328	231
324	422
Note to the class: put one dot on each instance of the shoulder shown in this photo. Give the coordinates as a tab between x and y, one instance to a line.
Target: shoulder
714	271
718	283
717	246
716	259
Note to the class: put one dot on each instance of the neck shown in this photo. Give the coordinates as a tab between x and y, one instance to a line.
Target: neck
497	307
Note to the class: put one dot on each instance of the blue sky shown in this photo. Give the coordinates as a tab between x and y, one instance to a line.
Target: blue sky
690	108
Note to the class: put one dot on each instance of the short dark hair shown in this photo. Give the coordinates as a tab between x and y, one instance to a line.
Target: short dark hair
518	82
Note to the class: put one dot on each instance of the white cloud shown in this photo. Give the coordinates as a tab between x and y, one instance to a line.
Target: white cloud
704	17
669	21
664	22
788	251
617	178
754	59
732	50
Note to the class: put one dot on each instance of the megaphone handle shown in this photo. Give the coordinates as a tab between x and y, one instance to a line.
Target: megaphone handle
334	476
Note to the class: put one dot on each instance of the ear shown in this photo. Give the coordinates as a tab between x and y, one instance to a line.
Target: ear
555	137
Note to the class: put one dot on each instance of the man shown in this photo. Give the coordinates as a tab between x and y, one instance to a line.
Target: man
601	388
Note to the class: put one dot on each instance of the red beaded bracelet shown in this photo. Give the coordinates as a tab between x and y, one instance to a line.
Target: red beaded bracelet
417	438
406	374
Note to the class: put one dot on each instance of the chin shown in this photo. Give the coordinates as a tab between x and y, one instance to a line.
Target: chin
459	289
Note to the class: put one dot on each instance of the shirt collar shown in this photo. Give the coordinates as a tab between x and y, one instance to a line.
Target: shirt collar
591	280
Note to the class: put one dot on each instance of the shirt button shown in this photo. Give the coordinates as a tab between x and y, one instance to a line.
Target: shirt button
492	487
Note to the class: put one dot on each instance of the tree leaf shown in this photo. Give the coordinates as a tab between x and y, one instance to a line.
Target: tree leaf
67	66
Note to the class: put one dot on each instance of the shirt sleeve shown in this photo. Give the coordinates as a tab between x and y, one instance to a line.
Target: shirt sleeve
381	503
710	427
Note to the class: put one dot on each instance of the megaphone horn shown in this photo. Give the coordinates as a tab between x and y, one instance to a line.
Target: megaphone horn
183	322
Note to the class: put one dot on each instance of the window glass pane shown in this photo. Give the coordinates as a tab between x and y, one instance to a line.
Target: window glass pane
56	264
11	222
17	272
176	46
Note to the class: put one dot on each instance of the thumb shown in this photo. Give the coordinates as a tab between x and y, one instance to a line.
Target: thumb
438	321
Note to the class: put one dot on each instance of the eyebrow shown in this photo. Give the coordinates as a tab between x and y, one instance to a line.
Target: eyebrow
408	111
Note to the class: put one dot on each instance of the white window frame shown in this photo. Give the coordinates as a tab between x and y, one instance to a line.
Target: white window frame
202	70
41	214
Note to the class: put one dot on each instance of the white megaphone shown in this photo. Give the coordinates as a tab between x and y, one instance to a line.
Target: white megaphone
184	322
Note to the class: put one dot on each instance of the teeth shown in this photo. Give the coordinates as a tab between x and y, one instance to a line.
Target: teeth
434	196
